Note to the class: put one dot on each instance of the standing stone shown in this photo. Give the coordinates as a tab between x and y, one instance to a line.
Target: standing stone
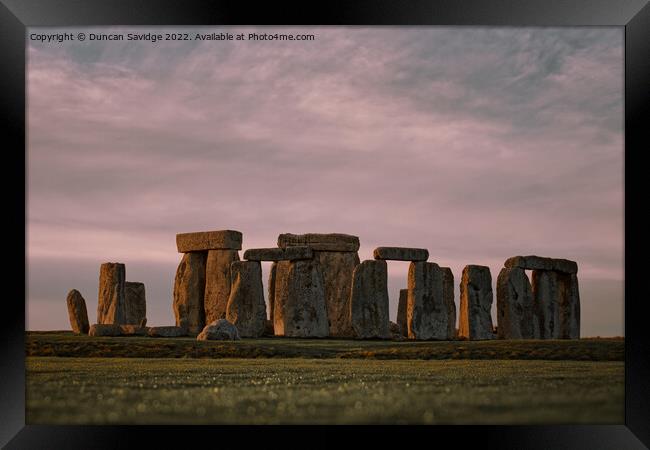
271	287
136	303
448	298
401	312
514	305
369	300
569	307
427	311
246	308
111	304
189	287
299	305
217	283
337	269
77	312
546	304
476	298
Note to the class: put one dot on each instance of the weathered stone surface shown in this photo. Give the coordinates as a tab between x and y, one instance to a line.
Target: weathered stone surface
515	315
546	304
133	330
333	242
401	312
271	288
220	330
395	331
77	312
369	300
569	307
217	283
532	262
299	309
111	304
476	298
428	311
246	307
279	254
166	331
136	303
189	288
208	240
448	299
401	253
143	322
105	329
337	269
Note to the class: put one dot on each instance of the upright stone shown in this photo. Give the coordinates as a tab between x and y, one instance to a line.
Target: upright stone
546	303
189	288
514	305
476	298
369	300
246	308
427	312
111	304
271	287
569	307
299	305
337	269
401	312
136	303
77	312
448	297
217	283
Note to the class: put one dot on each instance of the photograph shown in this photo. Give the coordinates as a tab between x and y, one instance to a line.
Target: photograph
325	225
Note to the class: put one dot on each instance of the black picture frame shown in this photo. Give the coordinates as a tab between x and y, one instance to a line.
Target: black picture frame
16	15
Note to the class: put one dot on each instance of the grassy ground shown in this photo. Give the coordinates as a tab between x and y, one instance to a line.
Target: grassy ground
280	390
69	345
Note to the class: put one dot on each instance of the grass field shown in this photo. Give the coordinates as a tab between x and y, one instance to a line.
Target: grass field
139	380
268	391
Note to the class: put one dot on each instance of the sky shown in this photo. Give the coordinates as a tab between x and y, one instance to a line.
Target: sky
477	143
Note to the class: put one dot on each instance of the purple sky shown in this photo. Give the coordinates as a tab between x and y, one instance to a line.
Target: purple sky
476	143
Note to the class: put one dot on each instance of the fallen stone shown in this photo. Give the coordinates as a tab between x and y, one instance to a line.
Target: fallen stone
542	263
401	253
401	312
136	303
105	329
271	288
166	331
111	304
515	315
299	309
246	307
476	298
220	330
217	283
428	311
133	330
337	269
569	307
333	242
77	312
189	288
369	300
278	254
546	304
208	240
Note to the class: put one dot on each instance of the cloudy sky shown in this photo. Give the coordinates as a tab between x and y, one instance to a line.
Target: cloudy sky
476	143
